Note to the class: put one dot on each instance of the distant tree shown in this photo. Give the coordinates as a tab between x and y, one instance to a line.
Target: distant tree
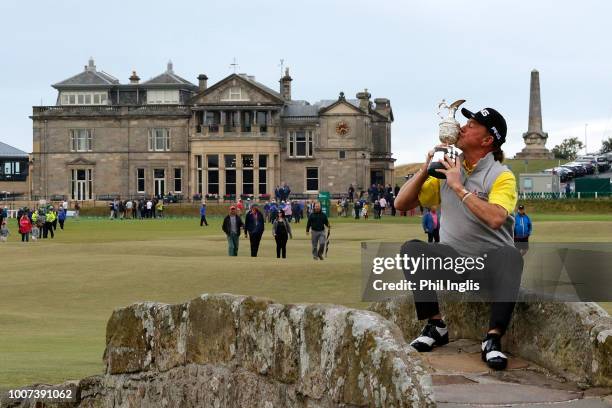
606	146
568	149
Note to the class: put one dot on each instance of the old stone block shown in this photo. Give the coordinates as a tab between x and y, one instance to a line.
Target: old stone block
126	343
212	329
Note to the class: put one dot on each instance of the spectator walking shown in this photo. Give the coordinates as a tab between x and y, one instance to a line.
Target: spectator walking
129	207
357	208
3	214
159	208
254	224
297	211
281	230
54	218
288	211
203	215
239	207
232	224
4	231
61	217
317	220
377	209
431	225
49	219
522	230
25	227
111	208
383	206
149	208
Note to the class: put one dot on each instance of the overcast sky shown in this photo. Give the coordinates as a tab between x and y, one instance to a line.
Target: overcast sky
413	52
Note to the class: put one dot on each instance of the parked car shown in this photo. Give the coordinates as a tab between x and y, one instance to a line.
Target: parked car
578	169
565	174
602	163
590	162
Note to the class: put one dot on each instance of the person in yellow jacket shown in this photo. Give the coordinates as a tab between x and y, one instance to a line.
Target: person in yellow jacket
50	218
159	208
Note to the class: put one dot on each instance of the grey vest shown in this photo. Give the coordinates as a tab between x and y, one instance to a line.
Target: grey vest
461	229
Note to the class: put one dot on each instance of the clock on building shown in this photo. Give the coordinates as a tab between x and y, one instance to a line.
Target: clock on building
342	128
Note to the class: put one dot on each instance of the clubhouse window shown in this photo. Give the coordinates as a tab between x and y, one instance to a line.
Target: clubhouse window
312	179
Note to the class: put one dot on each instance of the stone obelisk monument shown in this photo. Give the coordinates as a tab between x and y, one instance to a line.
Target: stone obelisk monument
535	137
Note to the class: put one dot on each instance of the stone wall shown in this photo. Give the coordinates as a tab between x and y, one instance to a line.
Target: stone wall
573	340
236	351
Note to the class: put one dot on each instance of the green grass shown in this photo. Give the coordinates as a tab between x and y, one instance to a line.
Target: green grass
533	166
57	295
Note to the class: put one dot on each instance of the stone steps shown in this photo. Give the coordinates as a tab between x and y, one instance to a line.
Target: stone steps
461	379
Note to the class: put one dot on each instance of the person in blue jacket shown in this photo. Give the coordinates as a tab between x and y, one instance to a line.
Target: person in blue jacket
254	228
431	225
203	215
522	230
61	217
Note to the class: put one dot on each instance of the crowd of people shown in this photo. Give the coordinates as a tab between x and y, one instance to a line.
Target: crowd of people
136	209
255	223
34	224
377	201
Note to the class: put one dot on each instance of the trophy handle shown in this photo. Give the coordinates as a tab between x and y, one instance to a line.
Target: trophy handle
455	105
442	105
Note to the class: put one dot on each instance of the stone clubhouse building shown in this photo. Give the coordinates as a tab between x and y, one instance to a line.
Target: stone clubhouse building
235	137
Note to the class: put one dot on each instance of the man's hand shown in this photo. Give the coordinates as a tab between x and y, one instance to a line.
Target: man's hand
452	171
427	160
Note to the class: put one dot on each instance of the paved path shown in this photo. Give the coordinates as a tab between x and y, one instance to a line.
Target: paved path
461	379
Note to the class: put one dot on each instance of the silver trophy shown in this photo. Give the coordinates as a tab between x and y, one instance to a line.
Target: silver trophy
449	131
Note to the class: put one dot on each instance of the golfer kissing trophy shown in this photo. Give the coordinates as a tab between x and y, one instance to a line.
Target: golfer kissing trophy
449	131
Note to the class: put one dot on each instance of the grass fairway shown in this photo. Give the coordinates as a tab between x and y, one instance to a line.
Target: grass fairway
56	296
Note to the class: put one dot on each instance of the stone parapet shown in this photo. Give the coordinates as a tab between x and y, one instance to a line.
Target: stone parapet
238	351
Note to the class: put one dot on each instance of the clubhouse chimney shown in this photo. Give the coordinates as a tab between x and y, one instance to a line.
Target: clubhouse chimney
285	85
202	82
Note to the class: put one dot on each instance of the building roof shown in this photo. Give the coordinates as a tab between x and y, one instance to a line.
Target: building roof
251	79
10	151
303	108
169	78
89	77
248	79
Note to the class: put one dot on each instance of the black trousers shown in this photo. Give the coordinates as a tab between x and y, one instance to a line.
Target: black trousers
25	237
48	228
61	223
255	239
433	236
203	220
54	223
281	245
501	276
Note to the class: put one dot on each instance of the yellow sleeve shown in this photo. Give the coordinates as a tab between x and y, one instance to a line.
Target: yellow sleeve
430	192
503	191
